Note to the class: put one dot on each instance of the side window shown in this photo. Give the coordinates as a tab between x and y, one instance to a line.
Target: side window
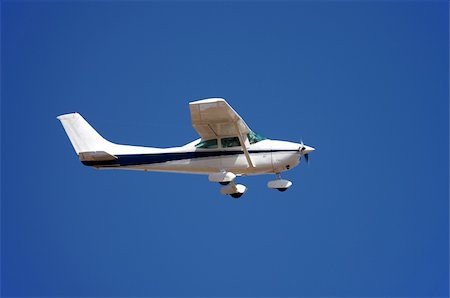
208	144
230	142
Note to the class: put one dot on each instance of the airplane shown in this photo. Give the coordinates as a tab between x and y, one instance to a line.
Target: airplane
227	148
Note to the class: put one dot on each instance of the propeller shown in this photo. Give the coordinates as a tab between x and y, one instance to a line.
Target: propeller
302	148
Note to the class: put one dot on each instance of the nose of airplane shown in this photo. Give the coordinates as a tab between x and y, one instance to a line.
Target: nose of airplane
307	149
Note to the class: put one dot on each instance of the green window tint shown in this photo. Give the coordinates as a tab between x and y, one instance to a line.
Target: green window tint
208	144
230	142
254	137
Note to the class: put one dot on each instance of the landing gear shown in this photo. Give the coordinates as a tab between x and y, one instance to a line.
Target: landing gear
236	195
223	177
279	184
233	190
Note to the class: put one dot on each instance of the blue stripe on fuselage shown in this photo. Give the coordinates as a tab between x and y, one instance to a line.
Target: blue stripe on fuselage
144	159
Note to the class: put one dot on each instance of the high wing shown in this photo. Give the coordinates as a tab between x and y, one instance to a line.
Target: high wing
214	118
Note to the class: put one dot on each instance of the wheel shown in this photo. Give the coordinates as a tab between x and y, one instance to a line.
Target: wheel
236	195
282	189
224	183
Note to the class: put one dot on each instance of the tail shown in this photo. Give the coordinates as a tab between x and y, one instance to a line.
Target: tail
83	136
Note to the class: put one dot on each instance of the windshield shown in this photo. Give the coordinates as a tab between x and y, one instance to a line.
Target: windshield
253	137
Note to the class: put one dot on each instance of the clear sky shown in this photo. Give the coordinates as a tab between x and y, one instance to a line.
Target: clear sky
364	82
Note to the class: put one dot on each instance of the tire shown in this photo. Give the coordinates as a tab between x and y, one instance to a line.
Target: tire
282	189
236	195
224	183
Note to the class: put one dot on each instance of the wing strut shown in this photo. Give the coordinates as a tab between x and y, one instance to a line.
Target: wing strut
241	140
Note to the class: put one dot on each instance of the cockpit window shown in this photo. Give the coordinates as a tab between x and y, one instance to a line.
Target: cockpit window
230	142
254	137
208	144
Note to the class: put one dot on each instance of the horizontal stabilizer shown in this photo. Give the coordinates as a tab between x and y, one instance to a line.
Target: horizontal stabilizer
96	156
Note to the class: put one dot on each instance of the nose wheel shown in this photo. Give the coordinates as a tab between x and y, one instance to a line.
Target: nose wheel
279	184
281	189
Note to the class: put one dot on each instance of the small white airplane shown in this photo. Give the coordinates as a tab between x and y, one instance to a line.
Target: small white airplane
227	148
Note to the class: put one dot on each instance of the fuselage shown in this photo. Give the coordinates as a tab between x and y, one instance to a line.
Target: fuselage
268	156
227	148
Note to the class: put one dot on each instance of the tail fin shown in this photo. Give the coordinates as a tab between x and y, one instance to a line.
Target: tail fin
83	136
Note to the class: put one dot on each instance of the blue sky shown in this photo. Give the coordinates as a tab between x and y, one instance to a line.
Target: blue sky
366	83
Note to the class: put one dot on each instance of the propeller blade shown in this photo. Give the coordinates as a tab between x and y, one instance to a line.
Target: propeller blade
302	148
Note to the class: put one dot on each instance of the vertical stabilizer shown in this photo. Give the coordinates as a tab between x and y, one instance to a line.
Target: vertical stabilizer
83	136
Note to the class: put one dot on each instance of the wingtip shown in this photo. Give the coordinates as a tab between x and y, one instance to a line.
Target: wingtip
208	100
67	116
